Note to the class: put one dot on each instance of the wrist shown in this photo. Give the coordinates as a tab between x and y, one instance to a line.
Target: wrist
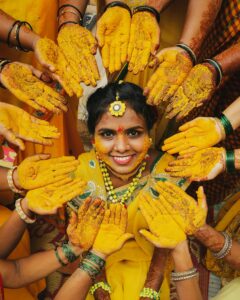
215	68
220	129
96	252
26	210
181	257
15	179
34	41
237	159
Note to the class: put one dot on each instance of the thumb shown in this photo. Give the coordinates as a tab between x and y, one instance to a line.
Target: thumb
148	236
38	157
202	201
100	33
124	238
11	137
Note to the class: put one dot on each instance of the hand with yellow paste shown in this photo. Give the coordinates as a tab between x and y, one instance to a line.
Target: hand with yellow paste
197	88
17	125
144	40
48	53
79	47
40	170
113	30
83	228
188	213
197	134
47	199
201	165
173	67
112	234
163	230
20	79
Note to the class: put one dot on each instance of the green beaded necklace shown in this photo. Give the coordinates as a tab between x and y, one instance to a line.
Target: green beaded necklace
109	186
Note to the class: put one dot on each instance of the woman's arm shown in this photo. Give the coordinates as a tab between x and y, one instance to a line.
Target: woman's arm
199	19
187	289
214	241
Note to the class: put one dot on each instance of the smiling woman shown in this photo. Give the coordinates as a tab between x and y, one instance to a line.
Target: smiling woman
119	168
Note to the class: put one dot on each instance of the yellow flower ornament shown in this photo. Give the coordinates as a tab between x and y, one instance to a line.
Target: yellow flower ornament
117	108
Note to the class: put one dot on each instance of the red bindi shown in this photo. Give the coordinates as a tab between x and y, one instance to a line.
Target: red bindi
120	129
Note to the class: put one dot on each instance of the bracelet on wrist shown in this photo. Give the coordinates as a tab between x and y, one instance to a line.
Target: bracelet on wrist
226	247
67	6
230	161
63	264
22	214
178	276
67	22
92	264
68	252
11	183
149	293
226	124
217	67
147	8
118	3
189	51
13	27
19	25
101	284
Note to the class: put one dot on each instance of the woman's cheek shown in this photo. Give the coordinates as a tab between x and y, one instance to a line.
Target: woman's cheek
101	146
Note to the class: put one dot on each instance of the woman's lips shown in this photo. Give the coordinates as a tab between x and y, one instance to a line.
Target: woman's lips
122	160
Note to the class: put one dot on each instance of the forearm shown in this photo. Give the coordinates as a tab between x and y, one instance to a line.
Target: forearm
159	5
187	289
3	183
156	270
229	59
214	241
199	19
232	112
76	287
16	226
27	37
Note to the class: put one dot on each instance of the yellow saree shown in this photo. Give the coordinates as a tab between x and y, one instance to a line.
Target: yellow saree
127	268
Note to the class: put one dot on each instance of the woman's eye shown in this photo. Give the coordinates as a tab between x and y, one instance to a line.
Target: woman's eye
133	133
107	134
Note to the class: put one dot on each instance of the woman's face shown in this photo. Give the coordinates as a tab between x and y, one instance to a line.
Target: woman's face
122	142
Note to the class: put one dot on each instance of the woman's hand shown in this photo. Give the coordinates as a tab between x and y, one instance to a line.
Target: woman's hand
201	165
173	67
112	234
79	47
47	199
197	134
52	57
197	88
163	230
113	30
144	40
22	81
189	214
83	228
17	125
40	170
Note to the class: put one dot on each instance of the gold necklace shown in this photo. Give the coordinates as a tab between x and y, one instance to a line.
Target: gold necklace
109	186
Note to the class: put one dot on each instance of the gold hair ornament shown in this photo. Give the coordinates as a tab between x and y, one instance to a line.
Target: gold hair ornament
118	107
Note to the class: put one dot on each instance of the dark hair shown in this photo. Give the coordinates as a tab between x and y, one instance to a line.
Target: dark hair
130	93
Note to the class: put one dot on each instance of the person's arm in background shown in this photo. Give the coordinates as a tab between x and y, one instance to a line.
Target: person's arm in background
214	241
186	289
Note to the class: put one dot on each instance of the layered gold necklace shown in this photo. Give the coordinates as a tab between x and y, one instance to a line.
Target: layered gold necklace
109	186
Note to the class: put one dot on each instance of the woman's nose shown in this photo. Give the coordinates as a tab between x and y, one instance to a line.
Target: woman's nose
121	143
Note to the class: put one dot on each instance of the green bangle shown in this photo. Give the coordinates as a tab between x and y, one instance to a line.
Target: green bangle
230	161
149	293
59	258
95	259
68	252
226	124
92	271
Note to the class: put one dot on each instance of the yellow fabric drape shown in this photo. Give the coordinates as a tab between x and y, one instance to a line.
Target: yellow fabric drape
31	291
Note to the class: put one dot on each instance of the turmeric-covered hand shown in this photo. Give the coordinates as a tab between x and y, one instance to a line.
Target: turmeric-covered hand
174	66
40	170
197	134
197	88
189	214
163	230
47	199
201	165
49	53
20	80
17	125
112	234
113	30
83	228
144	40
79	47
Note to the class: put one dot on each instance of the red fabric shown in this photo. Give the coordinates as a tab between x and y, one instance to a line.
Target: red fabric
1	288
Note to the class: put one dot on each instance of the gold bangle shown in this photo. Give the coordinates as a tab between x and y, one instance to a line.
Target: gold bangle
22	214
